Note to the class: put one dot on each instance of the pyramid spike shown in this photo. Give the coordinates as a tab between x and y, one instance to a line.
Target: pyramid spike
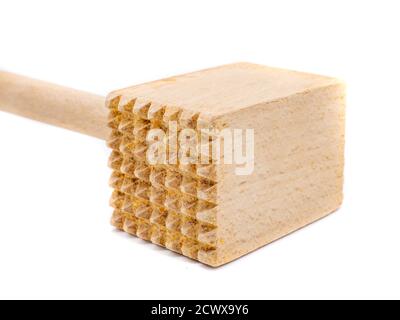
117	198
188	167
207	256
117	219
130	226
129	185
189	185
207	234
173	179
114	140
206	212
207	191
113	120
156	111
112	103
208	171
190	248
173	222
143	211
140	151
141	108
116	180
128	205
189	205
142	172
144	230
158	236
115	160
173	242
157	177
141	127
173	202
128	166
127	144
142	190
126	104
170	114
188	119
158	216
189	228
157	196
126	124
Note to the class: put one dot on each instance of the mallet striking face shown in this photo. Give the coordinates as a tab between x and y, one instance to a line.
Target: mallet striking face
212	164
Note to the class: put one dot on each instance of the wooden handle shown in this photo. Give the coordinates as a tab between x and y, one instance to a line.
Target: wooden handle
64	107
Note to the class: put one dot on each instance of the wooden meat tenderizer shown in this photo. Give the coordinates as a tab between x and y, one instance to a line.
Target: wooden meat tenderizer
207	211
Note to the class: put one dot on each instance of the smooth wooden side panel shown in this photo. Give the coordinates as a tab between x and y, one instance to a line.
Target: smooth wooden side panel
298	176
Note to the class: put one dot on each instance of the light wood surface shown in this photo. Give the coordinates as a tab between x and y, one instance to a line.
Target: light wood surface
298	121
206	211
225	89
56	105
298	174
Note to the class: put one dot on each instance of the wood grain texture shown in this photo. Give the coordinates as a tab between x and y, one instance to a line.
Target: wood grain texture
298	176
56	105
226	89
205	211
298	120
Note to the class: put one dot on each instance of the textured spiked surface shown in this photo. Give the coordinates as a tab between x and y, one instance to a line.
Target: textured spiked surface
211	212
173	206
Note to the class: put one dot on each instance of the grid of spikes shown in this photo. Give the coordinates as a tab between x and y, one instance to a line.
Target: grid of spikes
173	206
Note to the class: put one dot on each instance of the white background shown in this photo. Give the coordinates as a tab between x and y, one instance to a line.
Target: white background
55	237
